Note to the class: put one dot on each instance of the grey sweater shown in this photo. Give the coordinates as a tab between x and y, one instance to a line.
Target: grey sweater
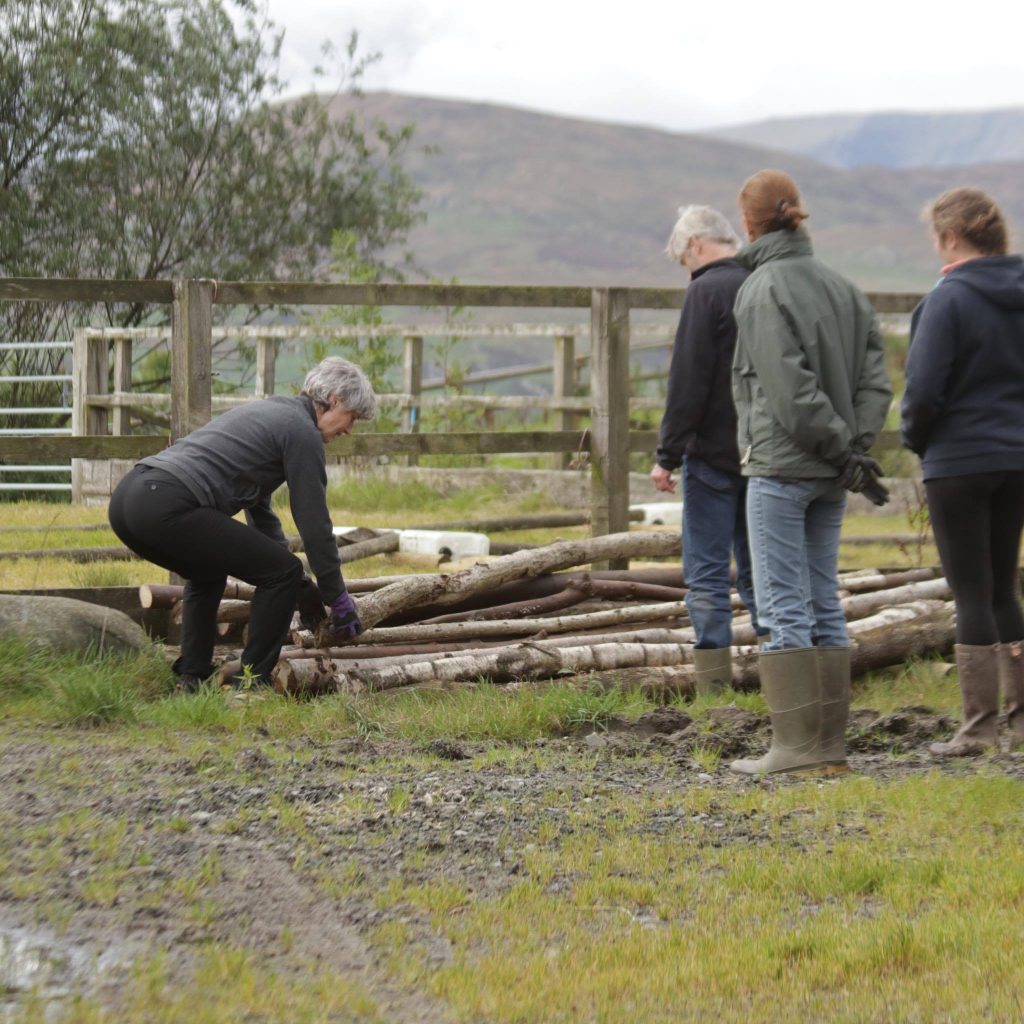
239	459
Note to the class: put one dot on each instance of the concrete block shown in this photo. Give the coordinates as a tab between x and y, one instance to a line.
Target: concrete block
660	513
454	544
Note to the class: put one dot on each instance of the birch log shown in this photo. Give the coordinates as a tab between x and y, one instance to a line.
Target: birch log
449	589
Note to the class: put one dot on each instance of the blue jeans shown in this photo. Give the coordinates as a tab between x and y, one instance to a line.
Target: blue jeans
714	528
794	544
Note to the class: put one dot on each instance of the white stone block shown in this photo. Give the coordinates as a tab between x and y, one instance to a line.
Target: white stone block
660	513
453	544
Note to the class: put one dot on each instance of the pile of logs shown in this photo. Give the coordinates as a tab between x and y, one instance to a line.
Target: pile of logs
520	618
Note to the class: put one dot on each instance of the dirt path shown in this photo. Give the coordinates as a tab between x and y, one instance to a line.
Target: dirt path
281	846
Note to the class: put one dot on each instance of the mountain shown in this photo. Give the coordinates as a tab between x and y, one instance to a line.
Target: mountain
892	139
520	197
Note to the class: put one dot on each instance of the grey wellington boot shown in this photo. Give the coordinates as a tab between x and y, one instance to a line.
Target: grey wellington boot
790	684
1011	681
712	669
978	669
834	669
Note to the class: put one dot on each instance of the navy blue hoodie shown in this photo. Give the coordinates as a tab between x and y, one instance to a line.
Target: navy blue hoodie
963	408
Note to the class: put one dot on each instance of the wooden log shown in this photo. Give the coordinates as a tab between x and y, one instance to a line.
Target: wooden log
483	629
167	595
886	638
445	589
102	554
877	579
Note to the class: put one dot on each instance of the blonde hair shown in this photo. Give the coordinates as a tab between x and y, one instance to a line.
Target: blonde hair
770	201
972	215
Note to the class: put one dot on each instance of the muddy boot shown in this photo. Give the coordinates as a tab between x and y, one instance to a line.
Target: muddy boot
1011	681
712	669
834	673
977	667
789	682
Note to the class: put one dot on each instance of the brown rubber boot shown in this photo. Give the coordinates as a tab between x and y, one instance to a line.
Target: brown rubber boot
978	669
1011	682
712	669
790	684
834	669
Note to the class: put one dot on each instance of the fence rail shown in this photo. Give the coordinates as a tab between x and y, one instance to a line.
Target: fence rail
608	440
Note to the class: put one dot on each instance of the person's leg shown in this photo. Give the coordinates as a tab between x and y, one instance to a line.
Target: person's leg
776	514
1007	525
741	553
960	509
709	503
824	523
1007	517
961	518
166	527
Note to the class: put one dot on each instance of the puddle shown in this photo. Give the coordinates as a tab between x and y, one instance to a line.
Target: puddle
42	965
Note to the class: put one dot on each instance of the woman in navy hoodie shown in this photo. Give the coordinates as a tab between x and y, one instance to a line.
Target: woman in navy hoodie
963	413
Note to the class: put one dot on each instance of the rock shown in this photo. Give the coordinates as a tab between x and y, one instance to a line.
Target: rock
663	720
64	625
446	750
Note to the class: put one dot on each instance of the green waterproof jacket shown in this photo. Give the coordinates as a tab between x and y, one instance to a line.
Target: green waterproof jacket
808	373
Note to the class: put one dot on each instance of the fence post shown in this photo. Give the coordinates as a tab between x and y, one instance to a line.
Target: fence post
122	421
191	344
88	377
266	365
563	385
412	384
609	416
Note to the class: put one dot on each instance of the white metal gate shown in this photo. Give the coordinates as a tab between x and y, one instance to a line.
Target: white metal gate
13	477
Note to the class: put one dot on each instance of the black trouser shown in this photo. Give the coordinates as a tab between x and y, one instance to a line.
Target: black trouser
160	519
977	522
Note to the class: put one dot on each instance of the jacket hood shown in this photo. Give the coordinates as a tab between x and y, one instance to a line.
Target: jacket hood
776	245
999	278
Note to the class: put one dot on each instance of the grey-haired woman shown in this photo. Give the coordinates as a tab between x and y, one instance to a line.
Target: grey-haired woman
176	509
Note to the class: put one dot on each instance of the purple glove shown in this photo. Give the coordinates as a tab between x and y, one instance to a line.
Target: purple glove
345	616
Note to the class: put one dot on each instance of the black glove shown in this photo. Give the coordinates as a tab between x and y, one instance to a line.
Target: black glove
857	471
310	605
875	491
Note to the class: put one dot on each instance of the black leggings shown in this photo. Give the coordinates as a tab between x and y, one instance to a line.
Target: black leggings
160	519
978	521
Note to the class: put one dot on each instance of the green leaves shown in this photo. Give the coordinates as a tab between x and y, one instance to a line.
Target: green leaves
145	138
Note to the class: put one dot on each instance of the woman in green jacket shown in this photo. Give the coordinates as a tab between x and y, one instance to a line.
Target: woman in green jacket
811	394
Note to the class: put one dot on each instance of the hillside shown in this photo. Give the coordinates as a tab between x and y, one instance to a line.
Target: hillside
523	197
892	139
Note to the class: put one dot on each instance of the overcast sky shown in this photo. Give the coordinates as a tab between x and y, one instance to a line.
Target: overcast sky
676	65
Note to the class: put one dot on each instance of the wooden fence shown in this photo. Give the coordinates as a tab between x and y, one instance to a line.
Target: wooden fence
608	441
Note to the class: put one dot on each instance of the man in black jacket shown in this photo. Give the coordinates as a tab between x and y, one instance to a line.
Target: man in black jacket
698	432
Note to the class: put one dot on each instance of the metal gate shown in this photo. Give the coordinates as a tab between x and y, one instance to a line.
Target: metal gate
27	477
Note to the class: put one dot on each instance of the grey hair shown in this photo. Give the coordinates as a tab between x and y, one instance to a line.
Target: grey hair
337	376
699	222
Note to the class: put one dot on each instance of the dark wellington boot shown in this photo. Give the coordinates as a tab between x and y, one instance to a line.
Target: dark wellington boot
712	669
978	669
790	684
1011	682
834	668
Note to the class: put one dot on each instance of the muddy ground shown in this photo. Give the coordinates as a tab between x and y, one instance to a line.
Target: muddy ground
112	845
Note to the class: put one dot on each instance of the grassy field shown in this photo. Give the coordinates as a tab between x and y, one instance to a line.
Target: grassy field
484	855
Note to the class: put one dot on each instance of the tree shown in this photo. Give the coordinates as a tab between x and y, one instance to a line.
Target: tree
145	139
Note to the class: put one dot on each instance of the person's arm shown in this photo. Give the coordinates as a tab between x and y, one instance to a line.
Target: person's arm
933	333
873	395
690	377
306	475
791	388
